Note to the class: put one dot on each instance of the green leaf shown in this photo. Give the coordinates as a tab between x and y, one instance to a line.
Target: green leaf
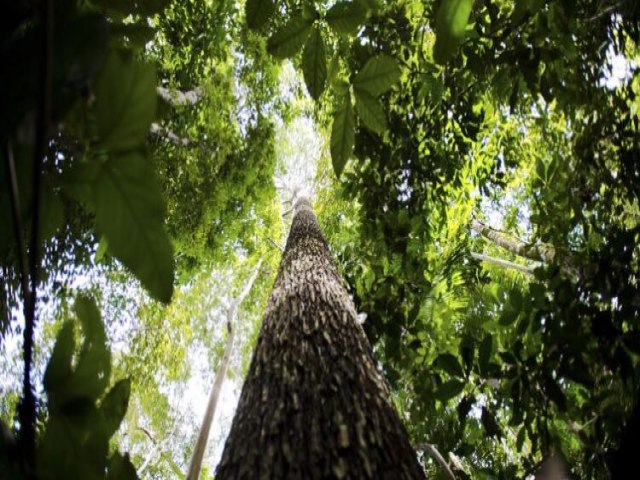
91	375
378	75
58	369
507	317
555	393
87	312
449	363
449	390
346	17
287	41
72	447
114	406
489	423
342	134
451	24
370	111
121	468
484	354
125	102
129	212
258	12
314	64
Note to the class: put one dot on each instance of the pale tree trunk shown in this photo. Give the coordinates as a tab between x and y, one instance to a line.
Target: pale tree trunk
159	131
203	436
542	252
314	405
178	98
502	263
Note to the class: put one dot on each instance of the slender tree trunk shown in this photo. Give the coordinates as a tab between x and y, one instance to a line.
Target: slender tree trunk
313	405
203	436
502	263
542	252
178	98
159	131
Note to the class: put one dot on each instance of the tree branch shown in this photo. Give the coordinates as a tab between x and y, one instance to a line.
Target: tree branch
542	252
435	454
502	263
273	242
178	98
203	436
159	131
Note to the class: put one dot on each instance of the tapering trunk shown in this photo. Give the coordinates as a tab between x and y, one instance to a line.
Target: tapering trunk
313	405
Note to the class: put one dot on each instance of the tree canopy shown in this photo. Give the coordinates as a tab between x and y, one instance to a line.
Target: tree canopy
474	166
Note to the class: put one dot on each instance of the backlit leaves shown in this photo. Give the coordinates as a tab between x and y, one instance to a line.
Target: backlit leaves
346	17
258	12
125	102
378	75
129	212
370	111
288	41
75	443
342	133
451	24
314	64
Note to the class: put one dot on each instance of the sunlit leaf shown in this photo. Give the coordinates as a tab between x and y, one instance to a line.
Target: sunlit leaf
451	24
370	111
378	75
346	17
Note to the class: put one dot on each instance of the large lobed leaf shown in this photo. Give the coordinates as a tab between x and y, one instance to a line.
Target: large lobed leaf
288	41
346	17
129	210
314	64
125	102
378	75
342	134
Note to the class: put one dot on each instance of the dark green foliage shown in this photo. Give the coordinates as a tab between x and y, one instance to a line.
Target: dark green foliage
75	438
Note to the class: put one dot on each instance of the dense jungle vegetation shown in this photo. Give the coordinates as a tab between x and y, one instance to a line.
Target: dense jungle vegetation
474	166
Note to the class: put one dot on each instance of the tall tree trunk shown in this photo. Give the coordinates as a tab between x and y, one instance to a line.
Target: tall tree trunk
313	405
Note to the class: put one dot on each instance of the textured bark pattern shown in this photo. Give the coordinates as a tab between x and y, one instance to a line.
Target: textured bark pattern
313	405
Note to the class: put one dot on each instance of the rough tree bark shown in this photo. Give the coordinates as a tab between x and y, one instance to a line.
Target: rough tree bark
203	435
313	405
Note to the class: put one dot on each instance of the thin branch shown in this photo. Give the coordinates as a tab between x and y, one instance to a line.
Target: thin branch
203	436
435	454
158	130
273	242
502	263
539	252
178	98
